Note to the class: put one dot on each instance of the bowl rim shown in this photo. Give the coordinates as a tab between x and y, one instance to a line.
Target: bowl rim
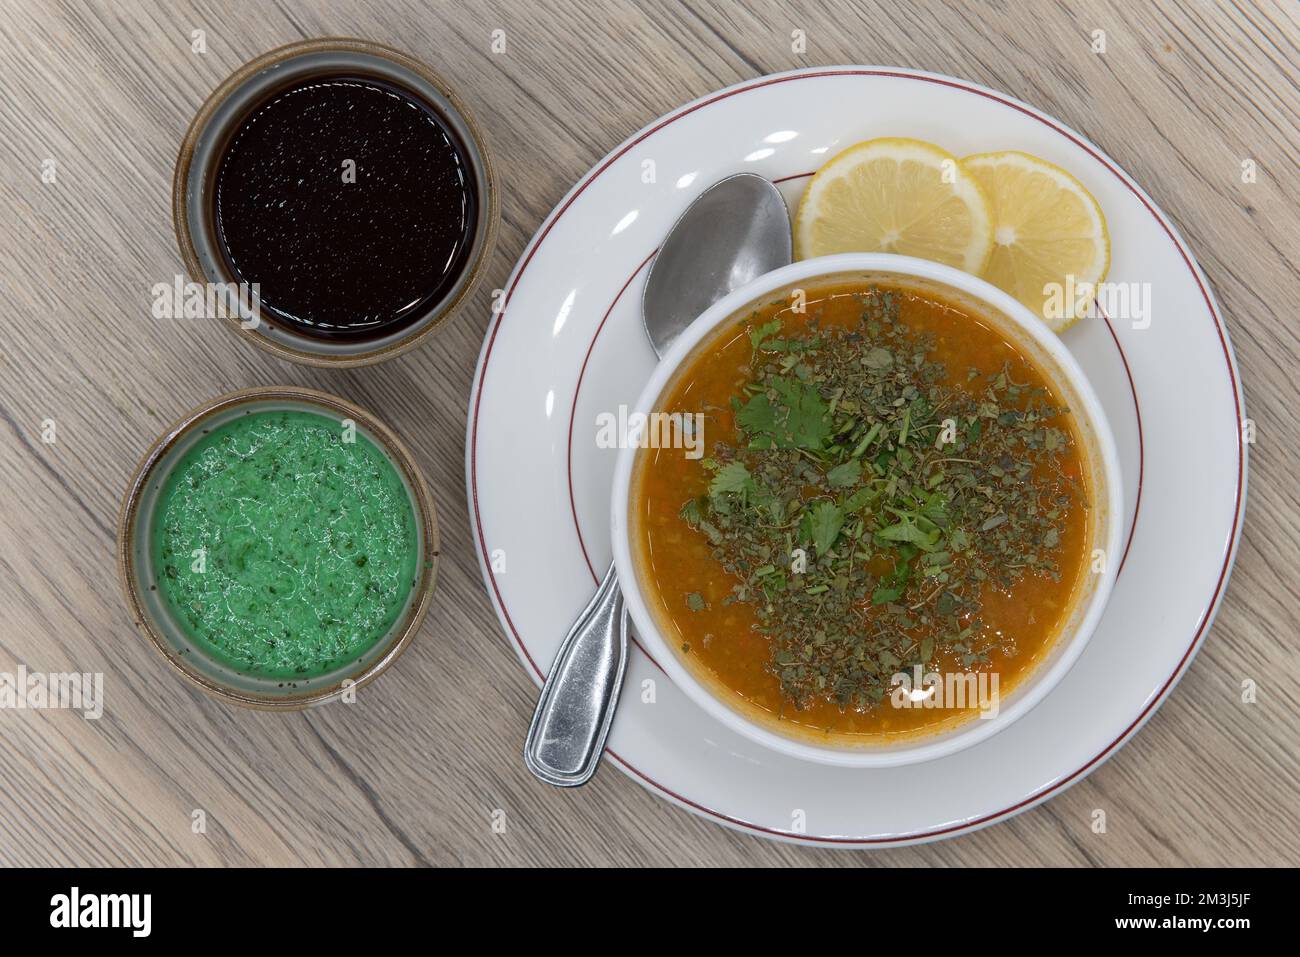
393	449
478	147
1067	648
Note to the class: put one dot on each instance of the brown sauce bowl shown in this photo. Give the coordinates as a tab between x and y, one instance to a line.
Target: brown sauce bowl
220	118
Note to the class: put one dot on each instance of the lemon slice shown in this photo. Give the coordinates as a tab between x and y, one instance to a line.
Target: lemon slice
1051	247
896	196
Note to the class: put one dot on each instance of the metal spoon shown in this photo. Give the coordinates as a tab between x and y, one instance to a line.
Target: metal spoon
735	231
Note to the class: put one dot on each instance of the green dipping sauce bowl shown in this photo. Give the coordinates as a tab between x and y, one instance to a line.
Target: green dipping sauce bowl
278	546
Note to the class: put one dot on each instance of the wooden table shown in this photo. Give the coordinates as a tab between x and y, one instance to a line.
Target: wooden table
417	773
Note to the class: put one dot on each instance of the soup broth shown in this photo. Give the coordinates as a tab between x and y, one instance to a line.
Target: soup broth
887	487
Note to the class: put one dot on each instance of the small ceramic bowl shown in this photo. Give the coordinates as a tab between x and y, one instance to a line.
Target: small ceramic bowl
155	619
220	117
1018	326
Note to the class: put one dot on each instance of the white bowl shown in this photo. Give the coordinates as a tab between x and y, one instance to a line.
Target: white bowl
1018	326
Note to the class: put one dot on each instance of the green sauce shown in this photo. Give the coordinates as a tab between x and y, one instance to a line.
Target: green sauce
309	544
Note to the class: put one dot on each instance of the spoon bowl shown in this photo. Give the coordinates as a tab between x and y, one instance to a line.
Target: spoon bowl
735	231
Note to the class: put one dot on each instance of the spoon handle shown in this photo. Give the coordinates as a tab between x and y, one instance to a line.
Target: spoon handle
567	736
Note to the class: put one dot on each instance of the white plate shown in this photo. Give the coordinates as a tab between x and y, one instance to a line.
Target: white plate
568	344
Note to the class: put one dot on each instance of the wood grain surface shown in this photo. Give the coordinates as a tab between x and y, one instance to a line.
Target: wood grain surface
1183	93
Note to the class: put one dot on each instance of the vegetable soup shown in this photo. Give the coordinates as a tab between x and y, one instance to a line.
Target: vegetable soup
888	488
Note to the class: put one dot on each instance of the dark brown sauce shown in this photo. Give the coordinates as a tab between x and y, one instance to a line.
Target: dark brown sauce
335	259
